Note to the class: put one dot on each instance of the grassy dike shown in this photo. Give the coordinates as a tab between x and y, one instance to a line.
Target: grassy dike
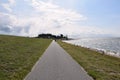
18	55
100	67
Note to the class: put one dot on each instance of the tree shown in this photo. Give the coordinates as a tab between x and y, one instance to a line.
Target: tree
61	35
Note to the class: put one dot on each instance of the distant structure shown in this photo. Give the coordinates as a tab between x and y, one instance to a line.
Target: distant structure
51	36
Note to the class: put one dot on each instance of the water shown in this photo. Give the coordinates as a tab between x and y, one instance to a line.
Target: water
110	46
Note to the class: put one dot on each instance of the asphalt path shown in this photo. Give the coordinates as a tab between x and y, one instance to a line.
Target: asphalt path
57	64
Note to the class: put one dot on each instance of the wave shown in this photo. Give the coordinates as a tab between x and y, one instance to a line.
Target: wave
102	51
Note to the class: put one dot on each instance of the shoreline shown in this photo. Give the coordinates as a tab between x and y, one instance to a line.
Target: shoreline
98	65
104	52
101	51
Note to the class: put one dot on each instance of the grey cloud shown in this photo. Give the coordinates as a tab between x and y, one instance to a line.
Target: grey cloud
27	28
4	28
49	18
5	23
17	29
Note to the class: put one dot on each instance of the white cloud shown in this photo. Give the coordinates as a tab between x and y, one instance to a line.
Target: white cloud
8	5
53	17
11	2
55	11
46	18
49	18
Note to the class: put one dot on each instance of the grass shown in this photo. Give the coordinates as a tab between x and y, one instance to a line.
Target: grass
99	66
18	55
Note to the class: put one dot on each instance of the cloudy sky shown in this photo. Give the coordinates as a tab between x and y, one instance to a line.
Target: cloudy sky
75	18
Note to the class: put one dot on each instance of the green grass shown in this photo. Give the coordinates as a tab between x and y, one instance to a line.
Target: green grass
99	66
18	55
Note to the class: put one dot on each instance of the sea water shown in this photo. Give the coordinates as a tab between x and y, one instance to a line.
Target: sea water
110	46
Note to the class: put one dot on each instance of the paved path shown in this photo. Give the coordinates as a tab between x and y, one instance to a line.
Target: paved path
57	64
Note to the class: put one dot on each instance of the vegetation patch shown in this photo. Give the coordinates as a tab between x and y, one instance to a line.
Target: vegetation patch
18	55
99	66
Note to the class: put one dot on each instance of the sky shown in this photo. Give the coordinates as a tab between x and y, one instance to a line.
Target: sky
74	18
